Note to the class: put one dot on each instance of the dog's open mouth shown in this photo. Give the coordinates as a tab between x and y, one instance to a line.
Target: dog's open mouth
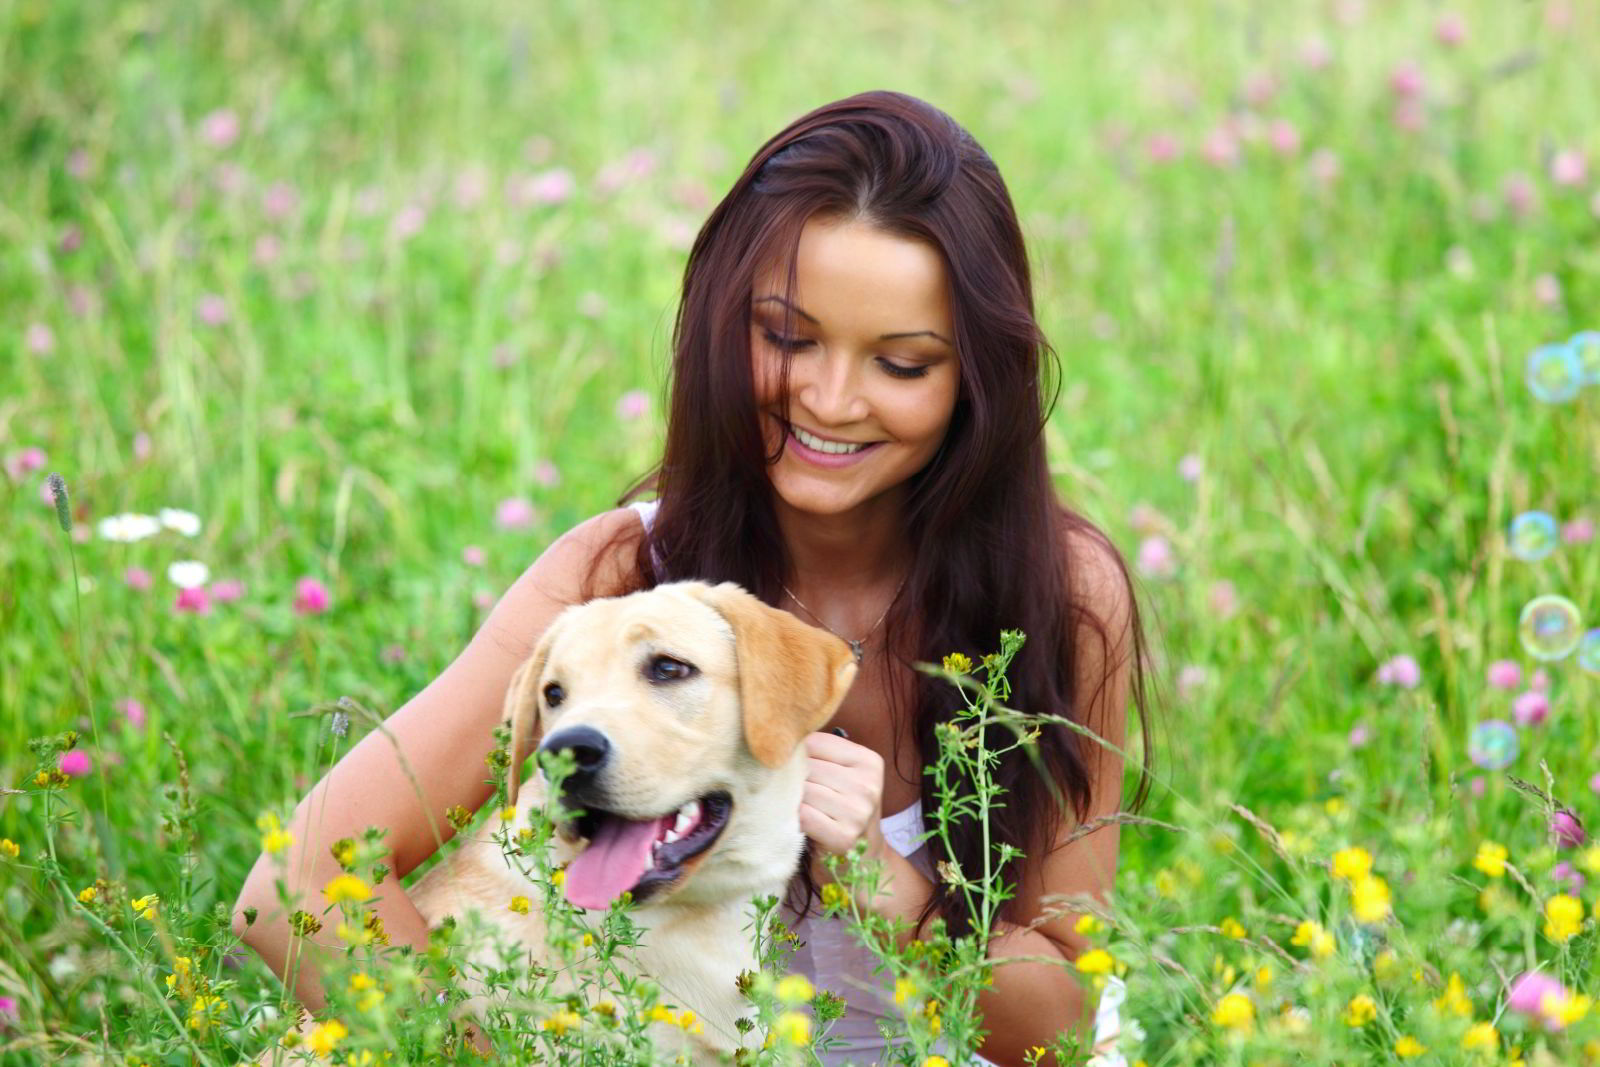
641	856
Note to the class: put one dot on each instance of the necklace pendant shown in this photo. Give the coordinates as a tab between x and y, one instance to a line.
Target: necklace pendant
855	647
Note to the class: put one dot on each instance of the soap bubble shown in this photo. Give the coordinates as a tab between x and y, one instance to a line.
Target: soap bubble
1554	373
1492	744
1586	346
1533	536
1589	652
1549	627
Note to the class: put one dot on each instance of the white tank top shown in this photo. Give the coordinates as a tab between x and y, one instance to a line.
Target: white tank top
832	959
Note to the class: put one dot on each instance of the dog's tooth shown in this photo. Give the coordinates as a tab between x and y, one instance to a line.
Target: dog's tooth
688	815
681	826
672	835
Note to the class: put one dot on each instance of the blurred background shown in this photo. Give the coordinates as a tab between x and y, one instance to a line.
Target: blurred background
363	303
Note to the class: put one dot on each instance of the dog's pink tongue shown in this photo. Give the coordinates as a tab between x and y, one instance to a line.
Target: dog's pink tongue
613	863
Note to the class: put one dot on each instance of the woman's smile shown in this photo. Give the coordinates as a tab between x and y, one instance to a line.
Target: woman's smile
827	452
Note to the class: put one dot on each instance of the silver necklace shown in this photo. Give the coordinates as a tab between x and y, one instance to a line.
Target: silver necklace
857	645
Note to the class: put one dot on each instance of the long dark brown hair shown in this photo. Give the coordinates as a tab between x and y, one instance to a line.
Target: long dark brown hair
991	542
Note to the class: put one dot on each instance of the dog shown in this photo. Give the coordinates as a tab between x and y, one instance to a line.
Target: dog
683	708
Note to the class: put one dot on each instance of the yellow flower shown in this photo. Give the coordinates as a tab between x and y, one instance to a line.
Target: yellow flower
507	814
326	1035
833	896
360	981
274	838
1231	927
145	906
1563	916
1263	977
1589	859
558	876
9	849
1235	1012
562	1021
1567	1008
1409	1047
1491	859
1088	924
354	935
347	887
1385	965
794	1028
1454	1001
520	905
87	894
686	1019
204	1011
958	663
935	1061
1096	961
794	989
370	1000
1481	1036
1310	934
1369	897
1352	864
1361	1010
904	989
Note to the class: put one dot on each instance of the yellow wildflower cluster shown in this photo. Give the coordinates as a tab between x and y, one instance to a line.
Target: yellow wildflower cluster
347	887
325	1036
520	905
1369	894
1088	925
1361	1010
1311	935
1231	927
958	663
1352	864
1409	1047
794	1028
274	838
1563	917
145	906
203	1011
795	989
1096	961
87	895
1481	1037
9	848
562	1021
685	1020
1563	1007
1235	1011
1455	1000
1491	859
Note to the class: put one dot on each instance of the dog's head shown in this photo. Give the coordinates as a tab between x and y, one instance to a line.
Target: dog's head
683	708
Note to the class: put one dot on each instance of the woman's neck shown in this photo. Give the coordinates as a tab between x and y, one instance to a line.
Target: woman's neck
845	554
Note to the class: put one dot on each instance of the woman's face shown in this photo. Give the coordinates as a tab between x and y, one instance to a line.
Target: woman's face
873	374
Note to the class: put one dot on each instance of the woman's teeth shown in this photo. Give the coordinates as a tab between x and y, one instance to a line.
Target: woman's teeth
817	444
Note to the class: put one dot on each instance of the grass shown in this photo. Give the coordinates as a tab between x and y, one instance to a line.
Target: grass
1345	356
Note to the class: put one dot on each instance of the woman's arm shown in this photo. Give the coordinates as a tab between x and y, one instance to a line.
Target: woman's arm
439	738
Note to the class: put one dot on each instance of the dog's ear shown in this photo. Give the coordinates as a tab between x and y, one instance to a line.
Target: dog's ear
792	677
522	707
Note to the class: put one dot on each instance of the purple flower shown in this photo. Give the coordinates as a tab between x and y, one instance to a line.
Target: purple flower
8	1011
1567	875
220	128
1223	599
1156	558
1162	147
40	339
1567	830
227	591
194	601
1505	674
279	201
212	309
1530	708
137	578
311	597
1400	670
1450	30
547	187
1540	681
1190	467
76	763
133	712
472	556
633	405
1579	531
1359	735
393	654
546	474
1568	168
20	464
515	513
1406	81
1530	989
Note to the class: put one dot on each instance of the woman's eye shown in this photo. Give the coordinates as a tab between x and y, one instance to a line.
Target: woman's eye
554	695
784	344
667	669
897	371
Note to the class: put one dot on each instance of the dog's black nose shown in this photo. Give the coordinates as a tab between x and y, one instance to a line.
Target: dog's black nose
589	748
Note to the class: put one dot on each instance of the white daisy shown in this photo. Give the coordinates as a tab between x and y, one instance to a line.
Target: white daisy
189	574
185	522
128	527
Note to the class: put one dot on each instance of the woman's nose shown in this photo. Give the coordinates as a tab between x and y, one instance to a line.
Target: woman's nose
829	389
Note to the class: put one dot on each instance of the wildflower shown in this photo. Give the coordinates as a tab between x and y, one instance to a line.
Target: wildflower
689	1023
145	906
311	597
562	1021
1491	859
1530	708
188	574
275	838
633	405
56	493
520	905
227	591
1567	830
558	877
1231	927
1505	674
186	523
76	764
1352	864
20	464
1235	1012
1088	924
87	895
137	579
1589	859
1263	977
958	663
794	1028
1409	1047
9	848
1385	965
8	1011
326	1035
1361	1010
1481	1036
515	513
795	989
1095	961
904	990
940	1061
833	896
347	887
1529	991
220	128
204	1011
1450	29
133	712
1369	897
360	981
1402	671
473	556
194	601
1454	1001
1562	1008
127	528
1563	916
1156	558
1310	935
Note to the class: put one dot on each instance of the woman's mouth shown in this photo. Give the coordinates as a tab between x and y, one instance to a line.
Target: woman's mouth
821	452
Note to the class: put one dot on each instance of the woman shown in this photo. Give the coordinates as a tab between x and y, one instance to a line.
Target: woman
855	435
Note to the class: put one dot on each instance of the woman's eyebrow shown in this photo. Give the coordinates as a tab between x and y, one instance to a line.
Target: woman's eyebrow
886	337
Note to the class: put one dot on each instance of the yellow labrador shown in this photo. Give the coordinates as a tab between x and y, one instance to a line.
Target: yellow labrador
683	708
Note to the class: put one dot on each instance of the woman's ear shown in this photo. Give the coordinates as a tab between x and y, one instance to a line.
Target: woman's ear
792	677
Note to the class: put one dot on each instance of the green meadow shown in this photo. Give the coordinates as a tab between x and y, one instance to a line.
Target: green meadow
365	303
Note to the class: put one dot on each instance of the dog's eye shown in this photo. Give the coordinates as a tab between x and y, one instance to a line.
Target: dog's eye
667	669
554	694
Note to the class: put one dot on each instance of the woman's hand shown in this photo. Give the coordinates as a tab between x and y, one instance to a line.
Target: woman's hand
843	799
